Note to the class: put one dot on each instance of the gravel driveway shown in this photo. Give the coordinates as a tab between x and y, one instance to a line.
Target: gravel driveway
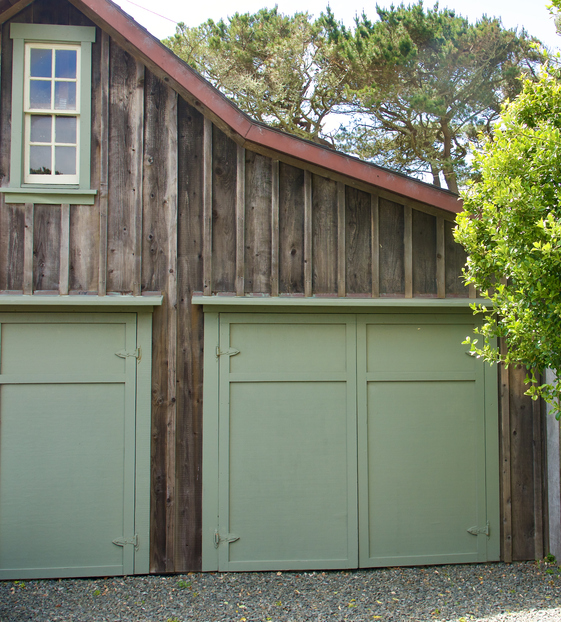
491	592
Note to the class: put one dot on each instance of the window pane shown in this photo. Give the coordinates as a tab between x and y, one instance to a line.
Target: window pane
65	64
40	95
40	129
39	160
65	130
65	95
40	63
65	158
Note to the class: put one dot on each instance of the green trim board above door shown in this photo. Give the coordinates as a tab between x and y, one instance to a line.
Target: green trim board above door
339	441
74	444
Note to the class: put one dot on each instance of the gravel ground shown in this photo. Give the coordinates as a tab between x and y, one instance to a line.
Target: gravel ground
483	592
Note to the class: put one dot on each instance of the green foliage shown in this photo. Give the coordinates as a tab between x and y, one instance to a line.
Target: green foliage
415	85
271	65
426	82
511	229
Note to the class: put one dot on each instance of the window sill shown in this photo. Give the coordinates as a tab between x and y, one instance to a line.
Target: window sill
50	196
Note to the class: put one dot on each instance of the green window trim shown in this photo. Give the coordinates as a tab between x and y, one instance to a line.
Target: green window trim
18	191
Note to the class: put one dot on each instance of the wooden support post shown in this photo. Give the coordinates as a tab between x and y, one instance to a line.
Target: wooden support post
28	249
173	525
375	234
341	248
307	233
553	476
104	163
240	222
538	480
207	207
408	250
275	237
440	259
139	163
506	485
64	269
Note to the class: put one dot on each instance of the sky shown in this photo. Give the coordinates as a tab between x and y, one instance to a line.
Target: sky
160	17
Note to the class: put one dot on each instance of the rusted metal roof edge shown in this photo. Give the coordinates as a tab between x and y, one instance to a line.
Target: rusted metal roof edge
240	126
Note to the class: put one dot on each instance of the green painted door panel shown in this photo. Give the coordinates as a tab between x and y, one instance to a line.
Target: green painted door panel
287	457
67	445
422	446
347	440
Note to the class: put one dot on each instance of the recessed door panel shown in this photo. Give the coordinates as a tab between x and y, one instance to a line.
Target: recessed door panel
67	445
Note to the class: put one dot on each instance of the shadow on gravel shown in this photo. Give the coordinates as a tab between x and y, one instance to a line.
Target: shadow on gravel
519	591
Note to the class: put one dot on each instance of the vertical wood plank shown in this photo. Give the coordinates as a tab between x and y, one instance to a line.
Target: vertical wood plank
375	235
275	243
46	248
358	242
522	465
224	197
64	263
6	102
174	531
257	223
324	240
207	207
440	259
240	221
139	166
126	136
189	354
472	291
28	249
291	229
103	162
408	250
12	242
307	233
424	252
506	484
455	259
539	540
159	272
391	248
341	246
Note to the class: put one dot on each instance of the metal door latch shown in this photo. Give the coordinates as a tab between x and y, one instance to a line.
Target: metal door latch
122	541
231	352
229	537
137	354
475	531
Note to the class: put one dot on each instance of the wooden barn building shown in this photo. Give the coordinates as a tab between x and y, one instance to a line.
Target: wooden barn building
226	348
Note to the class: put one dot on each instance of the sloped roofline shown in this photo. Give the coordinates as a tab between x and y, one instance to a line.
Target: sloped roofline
229	118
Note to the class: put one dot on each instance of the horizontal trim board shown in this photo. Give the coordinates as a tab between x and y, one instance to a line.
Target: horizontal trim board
56	573
279	377
282	301
49	196
38	300
48	32
60	379
420	376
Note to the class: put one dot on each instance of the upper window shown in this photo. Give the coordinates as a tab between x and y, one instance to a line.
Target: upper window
51	114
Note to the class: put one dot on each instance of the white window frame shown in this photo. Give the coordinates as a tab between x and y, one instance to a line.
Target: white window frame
29	112
53	189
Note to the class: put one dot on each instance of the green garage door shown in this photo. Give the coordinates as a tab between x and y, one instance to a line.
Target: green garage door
423	446
287	442
321	416
67	444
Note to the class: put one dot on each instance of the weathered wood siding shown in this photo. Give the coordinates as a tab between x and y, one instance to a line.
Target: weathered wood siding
182	209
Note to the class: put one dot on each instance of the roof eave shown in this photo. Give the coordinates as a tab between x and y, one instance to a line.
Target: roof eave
227	116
